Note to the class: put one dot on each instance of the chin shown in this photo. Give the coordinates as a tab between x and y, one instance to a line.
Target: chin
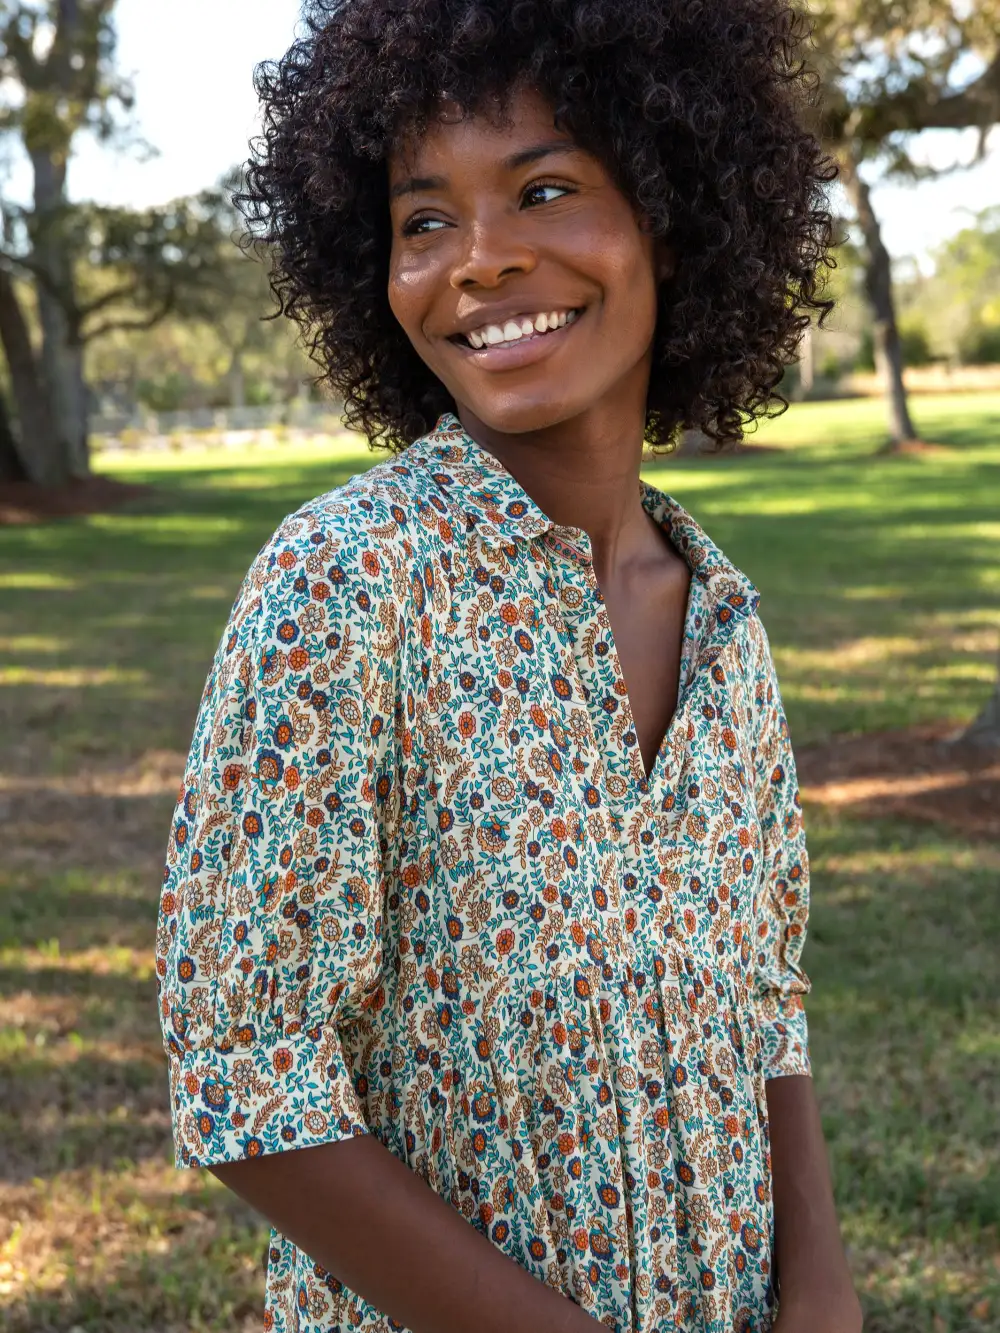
519	416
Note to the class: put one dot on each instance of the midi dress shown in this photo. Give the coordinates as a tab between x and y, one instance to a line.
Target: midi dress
420	886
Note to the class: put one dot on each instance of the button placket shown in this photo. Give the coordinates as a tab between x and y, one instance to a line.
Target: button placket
617	938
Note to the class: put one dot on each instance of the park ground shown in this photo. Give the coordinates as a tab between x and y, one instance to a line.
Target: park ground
880	582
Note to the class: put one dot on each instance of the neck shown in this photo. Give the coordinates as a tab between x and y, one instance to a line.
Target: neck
582	473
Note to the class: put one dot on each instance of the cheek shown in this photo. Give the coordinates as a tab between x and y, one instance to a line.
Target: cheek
640	284
622	261
410	284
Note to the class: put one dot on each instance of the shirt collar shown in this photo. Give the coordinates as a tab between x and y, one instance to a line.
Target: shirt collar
502	512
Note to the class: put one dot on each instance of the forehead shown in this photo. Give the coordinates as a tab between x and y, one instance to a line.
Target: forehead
487	134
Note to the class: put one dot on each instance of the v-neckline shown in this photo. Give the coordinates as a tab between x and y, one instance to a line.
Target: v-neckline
639	783
497	505
642	780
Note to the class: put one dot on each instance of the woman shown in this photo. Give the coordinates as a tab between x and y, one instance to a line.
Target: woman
479	949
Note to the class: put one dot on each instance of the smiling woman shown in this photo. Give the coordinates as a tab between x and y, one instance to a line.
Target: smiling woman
693	110
518	270
480	941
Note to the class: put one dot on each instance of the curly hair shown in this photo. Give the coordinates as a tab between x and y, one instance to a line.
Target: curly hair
695	107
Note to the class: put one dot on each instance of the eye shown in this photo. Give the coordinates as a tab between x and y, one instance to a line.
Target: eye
543	194
421	226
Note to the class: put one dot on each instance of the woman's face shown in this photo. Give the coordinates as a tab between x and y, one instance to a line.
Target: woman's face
519	270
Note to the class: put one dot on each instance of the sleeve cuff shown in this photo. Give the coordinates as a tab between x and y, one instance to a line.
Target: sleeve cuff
784	1036
292	1092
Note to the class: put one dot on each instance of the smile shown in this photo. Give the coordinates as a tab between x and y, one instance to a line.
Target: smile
518	340
519	329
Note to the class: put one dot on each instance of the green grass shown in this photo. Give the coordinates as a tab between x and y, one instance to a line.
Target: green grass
879	580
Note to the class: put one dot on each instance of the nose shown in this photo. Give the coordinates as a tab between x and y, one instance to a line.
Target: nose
492	252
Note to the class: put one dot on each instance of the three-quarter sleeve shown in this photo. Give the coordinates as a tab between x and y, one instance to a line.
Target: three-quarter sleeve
269	933
782	907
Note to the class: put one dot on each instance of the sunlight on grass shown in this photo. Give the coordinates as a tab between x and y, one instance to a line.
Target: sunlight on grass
874	593
939	417
136	964
36	580
336	446
858	652
73	678
164	526
33	644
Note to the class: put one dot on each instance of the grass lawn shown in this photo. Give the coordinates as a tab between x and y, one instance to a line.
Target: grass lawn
880	582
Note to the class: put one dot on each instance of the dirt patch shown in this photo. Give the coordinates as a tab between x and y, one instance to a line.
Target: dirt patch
920	773
898	447
24	502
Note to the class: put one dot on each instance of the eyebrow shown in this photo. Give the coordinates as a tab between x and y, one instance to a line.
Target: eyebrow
524	158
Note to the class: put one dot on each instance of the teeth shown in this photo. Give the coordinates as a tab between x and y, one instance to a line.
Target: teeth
514	330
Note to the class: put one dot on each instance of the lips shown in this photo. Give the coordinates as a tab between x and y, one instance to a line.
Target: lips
516	328
527	349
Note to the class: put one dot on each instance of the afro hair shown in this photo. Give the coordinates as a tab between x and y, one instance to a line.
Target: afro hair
697	108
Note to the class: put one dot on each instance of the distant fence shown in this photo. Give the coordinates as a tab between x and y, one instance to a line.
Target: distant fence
213	427
304	415
233	427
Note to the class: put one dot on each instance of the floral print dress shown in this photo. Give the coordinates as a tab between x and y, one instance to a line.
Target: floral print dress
420	886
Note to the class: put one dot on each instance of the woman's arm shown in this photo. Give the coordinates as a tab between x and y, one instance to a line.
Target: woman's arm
365	1217
815	1291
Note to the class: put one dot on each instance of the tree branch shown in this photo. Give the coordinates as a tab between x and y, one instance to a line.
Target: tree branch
915	108
121	293
130	325
19	47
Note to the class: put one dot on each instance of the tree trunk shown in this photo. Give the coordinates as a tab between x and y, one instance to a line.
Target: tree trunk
237	381
62	350
11	467
807	363
43	458
985	729
878	288
62	367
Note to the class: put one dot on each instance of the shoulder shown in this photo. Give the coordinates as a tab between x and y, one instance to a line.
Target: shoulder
756	662
349	548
